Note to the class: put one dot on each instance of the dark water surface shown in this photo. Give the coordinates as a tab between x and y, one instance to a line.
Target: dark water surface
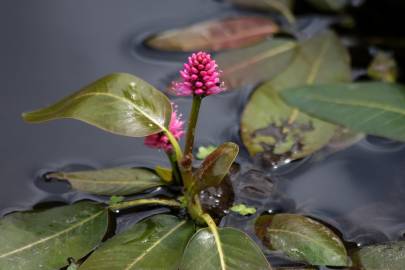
50	48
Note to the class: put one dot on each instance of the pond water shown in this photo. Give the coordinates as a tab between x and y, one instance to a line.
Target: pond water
50	48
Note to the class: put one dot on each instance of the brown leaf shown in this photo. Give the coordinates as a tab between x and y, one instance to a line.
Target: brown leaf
215	35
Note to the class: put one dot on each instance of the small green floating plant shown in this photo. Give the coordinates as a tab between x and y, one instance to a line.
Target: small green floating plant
126	105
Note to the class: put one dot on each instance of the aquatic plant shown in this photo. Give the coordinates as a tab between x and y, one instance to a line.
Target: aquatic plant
126	105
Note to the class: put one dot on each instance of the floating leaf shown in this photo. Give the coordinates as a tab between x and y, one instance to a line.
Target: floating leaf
46	239
256	63
238	251
205	151
216	166
390	256
370	107
383	67
116	181
156	243
215	35
282	6
243	209
302	239
272	128
119	103
329	5
115	199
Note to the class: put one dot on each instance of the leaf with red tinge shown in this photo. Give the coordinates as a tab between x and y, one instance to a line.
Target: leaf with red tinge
215	35
257	63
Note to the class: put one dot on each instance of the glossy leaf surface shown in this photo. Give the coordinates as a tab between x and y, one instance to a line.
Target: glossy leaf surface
372	107
257	63
238	250
270	126
216	166
116	181
302	239
46	239
389	256
156	243
214	35
119	103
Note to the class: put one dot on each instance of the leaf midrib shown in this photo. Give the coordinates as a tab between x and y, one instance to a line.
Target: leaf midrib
260	57
143	254
357	103
123	100
52	236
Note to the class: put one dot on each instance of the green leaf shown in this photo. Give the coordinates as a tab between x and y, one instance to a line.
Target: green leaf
383	68
116	181
243	209
329	5
115	199
302	239
215	35
165	173
205	151
370	107
119	103
237	249
269	126
389	256
254	64
46	239
156	243
216	166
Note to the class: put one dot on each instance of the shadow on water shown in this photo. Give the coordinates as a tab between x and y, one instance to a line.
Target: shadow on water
359	191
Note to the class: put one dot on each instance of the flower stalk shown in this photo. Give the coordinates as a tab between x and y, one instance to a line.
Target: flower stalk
192	123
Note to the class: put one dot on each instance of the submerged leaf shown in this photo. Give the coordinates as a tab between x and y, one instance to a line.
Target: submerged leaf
237	250
216	166
156	243
370	107
46	239
119	103
256	63
389	256
274	130
205	151
215	35
302	239
116	181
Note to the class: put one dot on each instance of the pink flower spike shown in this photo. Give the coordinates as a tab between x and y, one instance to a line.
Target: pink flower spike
160	140
200	77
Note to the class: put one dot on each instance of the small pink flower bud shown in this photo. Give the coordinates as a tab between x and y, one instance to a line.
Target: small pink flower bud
160	140
200	77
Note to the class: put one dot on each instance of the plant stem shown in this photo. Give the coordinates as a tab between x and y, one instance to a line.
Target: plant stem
176	176
134	203
214	230
192	123
175	145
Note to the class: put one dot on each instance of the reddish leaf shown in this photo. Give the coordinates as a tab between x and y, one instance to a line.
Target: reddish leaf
215	35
